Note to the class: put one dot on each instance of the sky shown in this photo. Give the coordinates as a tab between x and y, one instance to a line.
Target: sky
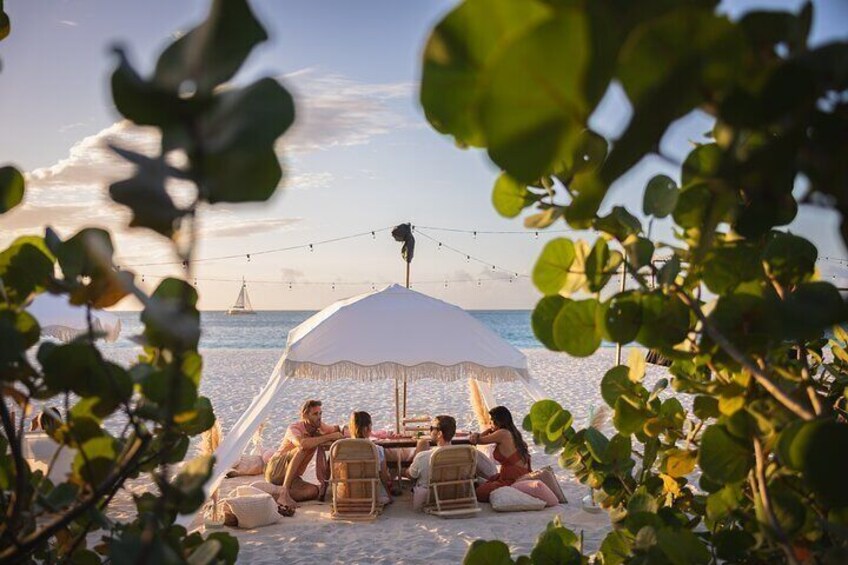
360	158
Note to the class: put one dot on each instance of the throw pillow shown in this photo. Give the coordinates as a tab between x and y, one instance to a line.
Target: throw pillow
509	499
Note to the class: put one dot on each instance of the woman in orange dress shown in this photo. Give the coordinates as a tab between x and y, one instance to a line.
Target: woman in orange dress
510	451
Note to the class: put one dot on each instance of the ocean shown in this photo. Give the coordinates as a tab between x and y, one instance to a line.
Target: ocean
269	329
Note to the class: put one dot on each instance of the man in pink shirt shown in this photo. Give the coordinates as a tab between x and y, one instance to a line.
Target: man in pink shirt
303	440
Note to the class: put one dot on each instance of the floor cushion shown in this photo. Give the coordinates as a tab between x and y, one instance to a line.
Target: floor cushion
253	510
537	489
509	499
547	476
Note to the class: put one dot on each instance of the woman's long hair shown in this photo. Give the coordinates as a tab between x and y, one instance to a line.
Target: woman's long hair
359	421
502	418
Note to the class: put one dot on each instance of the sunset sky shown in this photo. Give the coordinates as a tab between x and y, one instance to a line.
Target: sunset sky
361	156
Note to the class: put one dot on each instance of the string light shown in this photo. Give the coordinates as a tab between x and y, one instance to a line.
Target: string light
248	257
311	249
373	235
475	235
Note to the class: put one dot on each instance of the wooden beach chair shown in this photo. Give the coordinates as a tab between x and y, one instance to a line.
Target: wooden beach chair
452	472
354	480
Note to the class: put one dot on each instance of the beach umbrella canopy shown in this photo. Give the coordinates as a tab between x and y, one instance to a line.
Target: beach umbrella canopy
60	319
396	333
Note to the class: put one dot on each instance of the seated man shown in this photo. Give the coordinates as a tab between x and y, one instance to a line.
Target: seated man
442	430
302	441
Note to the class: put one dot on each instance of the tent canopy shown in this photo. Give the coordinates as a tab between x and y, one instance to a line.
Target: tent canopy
392	333
60	319
397	333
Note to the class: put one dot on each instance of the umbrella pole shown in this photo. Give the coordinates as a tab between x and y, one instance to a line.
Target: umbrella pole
397	408
404	377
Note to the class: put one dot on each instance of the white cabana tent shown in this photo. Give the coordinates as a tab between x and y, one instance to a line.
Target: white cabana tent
60	319
393	334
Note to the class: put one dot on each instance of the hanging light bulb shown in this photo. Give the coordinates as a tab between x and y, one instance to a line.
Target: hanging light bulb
373	235
536	235
195	281
334	287
311	249
446	284
440	246
475	234
290	286
493	267
373	287
248	257
142	278
478	282
468	258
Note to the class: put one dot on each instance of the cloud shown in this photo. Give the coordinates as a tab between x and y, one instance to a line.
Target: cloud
68	23
335	111
332	111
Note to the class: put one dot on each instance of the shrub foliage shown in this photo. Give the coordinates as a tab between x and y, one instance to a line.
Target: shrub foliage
125	422
739	465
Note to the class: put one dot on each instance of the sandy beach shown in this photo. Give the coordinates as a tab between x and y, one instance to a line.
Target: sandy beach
231	378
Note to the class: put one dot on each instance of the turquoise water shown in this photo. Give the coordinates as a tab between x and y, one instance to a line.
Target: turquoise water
268	330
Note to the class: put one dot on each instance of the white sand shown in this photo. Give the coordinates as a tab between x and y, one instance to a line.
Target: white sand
231	378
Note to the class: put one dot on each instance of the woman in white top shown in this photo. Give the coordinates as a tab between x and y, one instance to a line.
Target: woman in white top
360	427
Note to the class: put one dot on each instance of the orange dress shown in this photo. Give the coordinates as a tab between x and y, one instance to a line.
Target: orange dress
512	469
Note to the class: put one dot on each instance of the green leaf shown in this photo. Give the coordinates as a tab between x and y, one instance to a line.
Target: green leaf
5	24
26	267
682	547
229	546
96	459
144	103
705	407
669	271
630	415
724	501
641	502
541	413
86	261
590	153
544	219
205	553
704	206
144	193
597	444
533	111
557	424
616	547
543	319
211	53
750	322
204	418
615	383
577	328
601	265
665	321
623	317
809	309
619	223
457	54
733	545
11	188
551	549
171	319
811	449
554	265
18	332
640	252
728	266
483	552
660	197
789	259
576	279
724	458
510	197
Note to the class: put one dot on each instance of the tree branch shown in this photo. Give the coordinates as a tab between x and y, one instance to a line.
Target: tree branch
762	489
760	376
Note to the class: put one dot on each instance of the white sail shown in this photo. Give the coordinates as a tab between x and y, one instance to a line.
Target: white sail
242	305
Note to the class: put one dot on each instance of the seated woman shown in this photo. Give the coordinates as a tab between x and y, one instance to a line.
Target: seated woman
360	427
510	451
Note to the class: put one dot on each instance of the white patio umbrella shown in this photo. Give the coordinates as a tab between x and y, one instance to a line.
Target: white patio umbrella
393	334
60	319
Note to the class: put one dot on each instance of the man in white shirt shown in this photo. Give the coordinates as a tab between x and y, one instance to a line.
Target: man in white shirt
442	430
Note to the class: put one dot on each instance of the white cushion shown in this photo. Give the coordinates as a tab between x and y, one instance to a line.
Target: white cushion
486	467
253	510
247	490
508	499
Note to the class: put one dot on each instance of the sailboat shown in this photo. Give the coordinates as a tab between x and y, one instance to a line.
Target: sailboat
242	305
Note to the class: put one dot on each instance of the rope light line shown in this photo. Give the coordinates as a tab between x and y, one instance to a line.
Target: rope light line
468	256
309	246
342	283
419	229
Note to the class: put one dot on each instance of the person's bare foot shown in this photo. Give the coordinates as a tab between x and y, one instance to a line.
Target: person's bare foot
285	500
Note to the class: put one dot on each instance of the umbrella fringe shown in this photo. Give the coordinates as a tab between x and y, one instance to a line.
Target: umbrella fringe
347	370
